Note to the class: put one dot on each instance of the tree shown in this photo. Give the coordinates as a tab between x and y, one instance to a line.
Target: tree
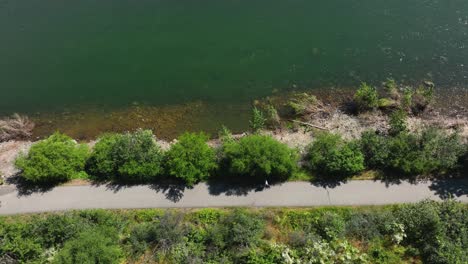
191	159
257	157
55	159
330	154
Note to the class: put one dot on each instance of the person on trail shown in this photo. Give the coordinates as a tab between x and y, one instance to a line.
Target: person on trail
266	184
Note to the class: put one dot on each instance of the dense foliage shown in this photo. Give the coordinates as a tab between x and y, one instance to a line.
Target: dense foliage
191	159
330	155
258	157
90	247
55	159
432	151
130	157
428	232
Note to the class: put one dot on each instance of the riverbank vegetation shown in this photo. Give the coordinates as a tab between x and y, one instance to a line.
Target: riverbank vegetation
258	157
426	232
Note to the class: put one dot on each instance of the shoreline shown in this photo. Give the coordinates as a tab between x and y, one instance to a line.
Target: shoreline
292	118
168	121
298	137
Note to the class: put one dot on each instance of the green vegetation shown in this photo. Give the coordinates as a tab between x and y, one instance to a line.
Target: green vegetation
90	247
258	121
398	122
426	232
331	156
256	158
137	158
130	157
300	104
55	159
432	151
366	98
411	100
191	159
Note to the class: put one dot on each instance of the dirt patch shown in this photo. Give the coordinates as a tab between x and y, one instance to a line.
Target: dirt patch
8	152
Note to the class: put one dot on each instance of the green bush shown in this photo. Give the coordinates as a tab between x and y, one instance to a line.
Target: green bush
55	159
366	97
191	159
258	121
258	157
130	157
398	122
242	230
167	230
437	230
431	152
375	149
90	247
18	242
427	232
331	155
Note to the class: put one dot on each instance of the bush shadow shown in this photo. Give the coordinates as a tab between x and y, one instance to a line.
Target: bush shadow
447	188
173	189
26	188
225	182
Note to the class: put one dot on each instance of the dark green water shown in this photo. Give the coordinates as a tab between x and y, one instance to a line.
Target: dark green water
57	54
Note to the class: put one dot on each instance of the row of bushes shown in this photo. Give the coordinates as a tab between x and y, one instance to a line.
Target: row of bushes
136	157
427	232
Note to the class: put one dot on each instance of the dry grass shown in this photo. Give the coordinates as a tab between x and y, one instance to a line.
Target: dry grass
15	127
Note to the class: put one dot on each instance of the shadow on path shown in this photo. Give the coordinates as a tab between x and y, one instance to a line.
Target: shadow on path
450	188
173	191
26	188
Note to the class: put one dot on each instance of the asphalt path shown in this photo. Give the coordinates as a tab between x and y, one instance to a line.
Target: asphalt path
290	194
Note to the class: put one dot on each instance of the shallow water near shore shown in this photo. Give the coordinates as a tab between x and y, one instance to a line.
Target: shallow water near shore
177	65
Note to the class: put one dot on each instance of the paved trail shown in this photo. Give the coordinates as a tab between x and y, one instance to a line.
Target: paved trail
203	195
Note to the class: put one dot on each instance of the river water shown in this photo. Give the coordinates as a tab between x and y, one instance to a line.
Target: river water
62	58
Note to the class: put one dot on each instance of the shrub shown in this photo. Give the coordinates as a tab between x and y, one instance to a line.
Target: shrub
167	231
91	246
300	104
375	149
330	154
331	226
438	230
272	118
130	157
54	230
55	159
422	97
258	157
18	244
398	122
258	121
432	151
366	97
191	159
241	229
441	151
224	134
